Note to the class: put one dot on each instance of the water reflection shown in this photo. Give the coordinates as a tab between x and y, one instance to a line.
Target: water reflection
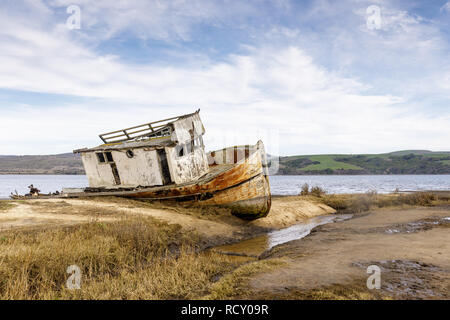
256	246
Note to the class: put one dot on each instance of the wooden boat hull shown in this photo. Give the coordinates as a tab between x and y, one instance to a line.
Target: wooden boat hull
250	200
237	179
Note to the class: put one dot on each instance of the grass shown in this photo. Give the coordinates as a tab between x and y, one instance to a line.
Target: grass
356	203
133	258
403	162
6	205
328	162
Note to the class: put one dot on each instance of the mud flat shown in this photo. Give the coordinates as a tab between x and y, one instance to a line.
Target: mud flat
411	247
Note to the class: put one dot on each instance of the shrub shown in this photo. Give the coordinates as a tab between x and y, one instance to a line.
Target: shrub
418	198
361	203
337	202
305	190
315	191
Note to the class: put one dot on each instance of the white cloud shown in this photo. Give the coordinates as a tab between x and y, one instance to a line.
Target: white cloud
446	7
404	57
402	29
168	20
266	91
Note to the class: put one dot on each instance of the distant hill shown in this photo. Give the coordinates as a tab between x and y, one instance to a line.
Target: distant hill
399	162
66	163
417	152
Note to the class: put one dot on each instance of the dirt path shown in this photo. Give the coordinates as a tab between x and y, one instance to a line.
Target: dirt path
411	247
23	215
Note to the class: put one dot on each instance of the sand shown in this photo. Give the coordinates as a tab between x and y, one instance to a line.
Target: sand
52	212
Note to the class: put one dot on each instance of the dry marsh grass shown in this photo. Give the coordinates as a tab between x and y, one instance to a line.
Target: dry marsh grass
133	258
356	203
6	205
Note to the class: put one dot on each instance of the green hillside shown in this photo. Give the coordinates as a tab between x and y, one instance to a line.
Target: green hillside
400	162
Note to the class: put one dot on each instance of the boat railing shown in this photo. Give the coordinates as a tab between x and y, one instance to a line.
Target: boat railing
150	129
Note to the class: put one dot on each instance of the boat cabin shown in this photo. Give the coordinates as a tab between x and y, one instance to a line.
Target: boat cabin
169	151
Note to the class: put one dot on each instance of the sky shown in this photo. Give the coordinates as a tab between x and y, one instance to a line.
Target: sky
306	77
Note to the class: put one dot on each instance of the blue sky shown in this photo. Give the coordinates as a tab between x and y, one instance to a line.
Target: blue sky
306	77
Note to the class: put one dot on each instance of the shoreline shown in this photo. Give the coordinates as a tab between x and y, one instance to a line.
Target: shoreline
281	196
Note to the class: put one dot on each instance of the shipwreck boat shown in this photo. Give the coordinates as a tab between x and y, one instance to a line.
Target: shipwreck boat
166	160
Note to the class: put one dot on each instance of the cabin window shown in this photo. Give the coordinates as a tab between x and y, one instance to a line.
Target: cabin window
104	157
100	157
186	148
180	150
130	154
109	157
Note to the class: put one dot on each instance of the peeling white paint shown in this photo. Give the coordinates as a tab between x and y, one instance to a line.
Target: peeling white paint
98	175
188	167
183	126
145	168
141	170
